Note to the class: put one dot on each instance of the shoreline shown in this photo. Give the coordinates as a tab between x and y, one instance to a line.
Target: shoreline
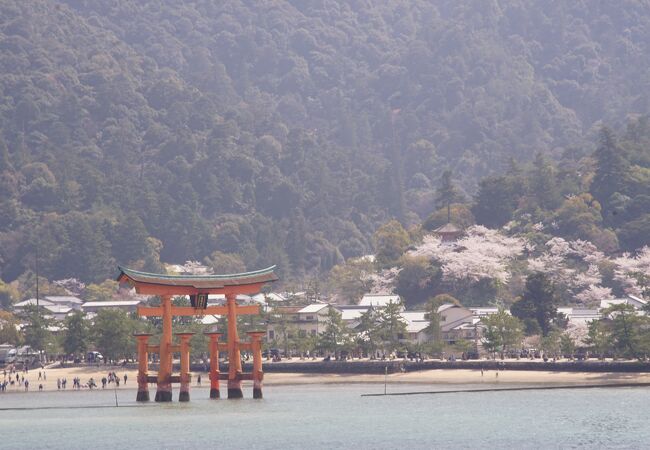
431	378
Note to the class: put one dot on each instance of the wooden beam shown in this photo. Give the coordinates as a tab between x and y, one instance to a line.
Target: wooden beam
223	346
150	311
142	287
241	376
179	311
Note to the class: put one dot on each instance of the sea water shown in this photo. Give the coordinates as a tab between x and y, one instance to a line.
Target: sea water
330	416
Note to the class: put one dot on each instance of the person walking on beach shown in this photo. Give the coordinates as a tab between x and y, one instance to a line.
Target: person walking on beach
198	380
26	385
39	375
125	379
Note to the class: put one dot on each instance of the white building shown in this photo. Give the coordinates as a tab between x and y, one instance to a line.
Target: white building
309	320
415	326
379	301
351	314
636	302
124	305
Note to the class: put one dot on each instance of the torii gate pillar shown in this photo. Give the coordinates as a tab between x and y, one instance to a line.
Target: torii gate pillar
184	394
234	355
258	375
164	391
143	367
214	364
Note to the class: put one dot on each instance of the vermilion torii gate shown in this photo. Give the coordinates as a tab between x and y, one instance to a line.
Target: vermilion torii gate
198	287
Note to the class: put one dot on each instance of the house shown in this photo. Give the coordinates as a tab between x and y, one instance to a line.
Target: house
268	299
65	300
632	300
124	305
456	321
481	312
469	331
20	306
577	316
416	325
57	312
351	314
56	307
309	320
379	301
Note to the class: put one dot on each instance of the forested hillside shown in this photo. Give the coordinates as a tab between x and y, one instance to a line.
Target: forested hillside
250	133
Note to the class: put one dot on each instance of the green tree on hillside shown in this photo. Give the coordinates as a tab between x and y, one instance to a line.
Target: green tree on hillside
416	279
611	173
539	302
447	191
391	240
543	184
495	202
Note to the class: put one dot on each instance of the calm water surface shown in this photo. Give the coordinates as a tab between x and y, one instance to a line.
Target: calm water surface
331	416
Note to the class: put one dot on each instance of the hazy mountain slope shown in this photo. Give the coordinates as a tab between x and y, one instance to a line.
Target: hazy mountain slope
283	131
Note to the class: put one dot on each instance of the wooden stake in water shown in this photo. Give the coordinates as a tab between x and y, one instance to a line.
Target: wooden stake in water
385	378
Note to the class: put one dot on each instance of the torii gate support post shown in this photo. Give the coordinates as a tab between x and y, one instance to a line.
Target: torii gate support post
184	394
258	374
214	364
164	389
143	367
234	355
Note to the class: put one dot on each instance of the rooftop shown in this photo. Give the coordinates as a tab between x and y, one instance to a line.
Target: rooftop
378	300
197	282
313	308
112	303
63	299
32	301
448	228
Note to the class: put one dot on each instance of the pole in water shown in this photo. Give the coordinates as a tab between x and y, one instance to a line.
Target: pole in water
385	378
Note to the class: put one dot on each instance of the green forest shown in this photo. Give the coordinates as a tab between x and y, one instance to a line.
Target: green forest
248	133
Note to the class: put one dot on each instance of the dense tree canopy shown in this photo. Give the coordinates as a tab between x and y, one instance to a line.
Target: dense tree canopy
287	132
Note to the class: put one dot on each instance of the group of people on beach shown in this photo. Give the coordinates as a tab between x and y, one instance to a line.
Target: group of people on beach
19	379
112	378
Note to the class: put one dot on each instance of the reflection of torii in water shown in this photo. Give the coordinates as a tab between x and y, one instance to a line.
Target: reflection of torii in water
198	287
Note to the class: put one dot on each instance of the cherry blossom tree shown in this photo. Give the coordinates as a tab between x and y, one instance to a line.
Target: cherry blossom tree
482	253
633	272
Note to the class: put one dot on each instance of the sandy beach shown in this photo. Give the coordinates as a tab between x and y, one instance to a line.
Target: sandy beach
425	377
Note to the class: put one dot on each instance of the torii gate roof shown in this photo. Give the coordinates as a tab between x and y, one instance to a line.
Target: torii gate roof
154	283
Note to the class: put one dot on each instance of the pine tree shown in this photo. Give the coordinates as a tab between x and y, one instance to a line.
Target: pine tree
539	302
447	192
544	184
611	173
